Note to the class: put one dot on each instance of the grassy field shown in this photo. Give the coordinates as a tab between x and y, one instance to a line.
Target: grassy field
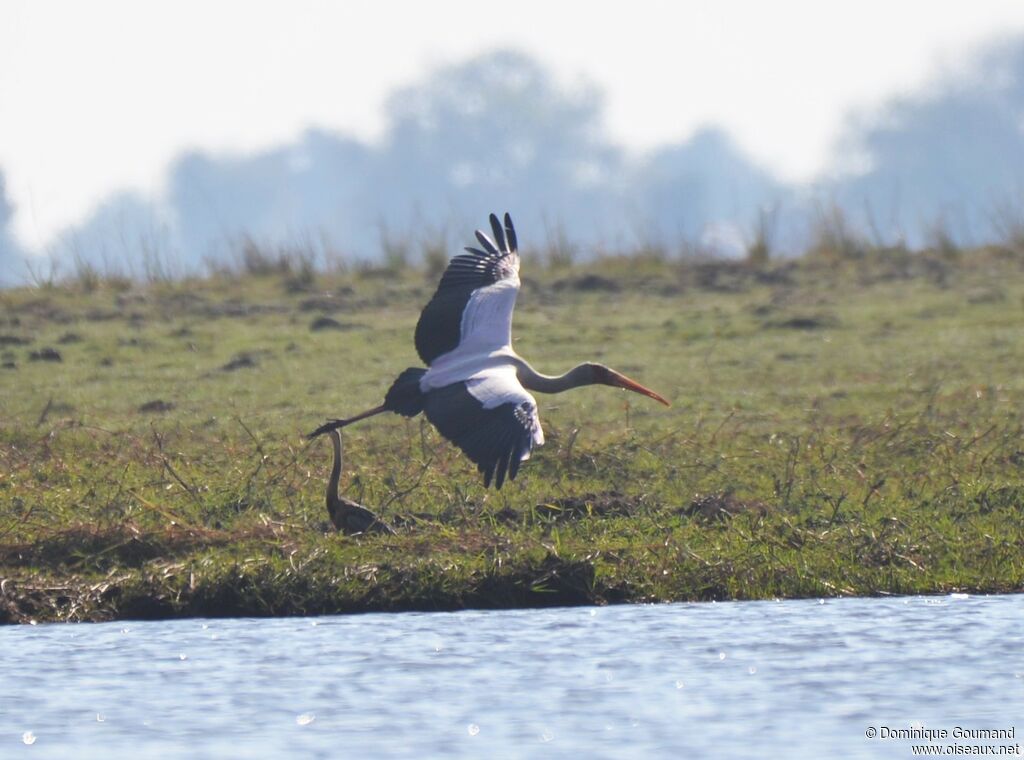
838	427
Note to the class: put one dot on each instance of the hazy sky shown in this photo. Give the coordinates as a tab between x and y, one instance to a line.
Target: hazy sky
102	95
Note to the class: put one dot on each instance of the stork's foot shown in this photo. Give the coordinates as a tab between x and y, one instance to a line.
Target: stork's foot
331	424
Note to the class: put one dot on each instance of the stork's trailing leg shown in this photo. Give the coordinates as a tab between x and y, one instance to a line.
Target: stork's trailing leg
404	397
332	425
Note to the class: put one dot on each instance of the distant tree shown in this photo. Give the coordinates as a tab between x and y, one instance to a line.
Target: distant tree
494	133
497	133
11	257
126	235
491	134
302	192
947	157
692	191
6	209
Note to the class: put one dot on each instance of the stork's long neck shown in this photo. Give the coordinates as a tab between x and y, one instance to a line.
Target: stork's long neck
332	484
581	374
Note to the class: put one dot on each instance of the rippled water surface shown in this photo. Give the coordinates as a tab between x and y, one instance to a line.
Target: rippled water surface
744	679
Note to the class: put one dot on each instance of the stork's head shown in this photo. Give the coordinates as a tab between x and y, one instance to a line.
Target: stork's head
607	376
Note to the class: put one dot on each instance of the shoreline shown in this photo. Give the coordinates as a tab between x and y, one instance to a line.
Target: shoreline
539	581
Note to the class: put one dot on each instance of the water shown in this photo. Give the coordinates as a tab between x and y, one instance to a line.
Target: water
747	679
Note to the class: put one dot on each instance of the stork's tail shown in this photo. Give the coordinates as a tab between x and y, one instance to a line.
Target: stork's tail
404	397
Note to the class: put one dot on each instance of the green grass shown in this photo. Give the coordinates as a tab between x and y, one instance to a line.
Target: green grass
837	428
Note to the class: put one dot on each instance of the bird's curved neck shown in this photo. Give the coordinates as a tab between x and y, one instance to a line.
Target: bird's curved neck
581	374
332	484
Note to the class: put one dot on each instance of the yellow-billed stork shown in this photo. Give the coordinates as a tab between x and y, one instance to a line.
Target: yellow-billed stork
475	389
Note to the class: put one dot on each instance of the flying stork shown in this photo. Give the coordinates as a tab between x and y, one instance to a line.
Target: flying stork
475	389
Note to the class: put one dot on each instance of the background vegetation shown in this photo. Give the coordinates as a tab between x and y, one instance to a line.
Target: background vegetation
848	423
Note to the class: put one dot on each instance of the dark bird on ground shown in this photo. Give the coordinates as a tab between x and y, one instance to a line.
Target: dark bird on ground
475	388
348	516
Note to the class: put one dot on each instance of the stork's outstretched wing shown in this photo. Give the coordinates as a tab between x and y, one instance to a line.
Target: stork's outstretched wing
473	305
491	418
